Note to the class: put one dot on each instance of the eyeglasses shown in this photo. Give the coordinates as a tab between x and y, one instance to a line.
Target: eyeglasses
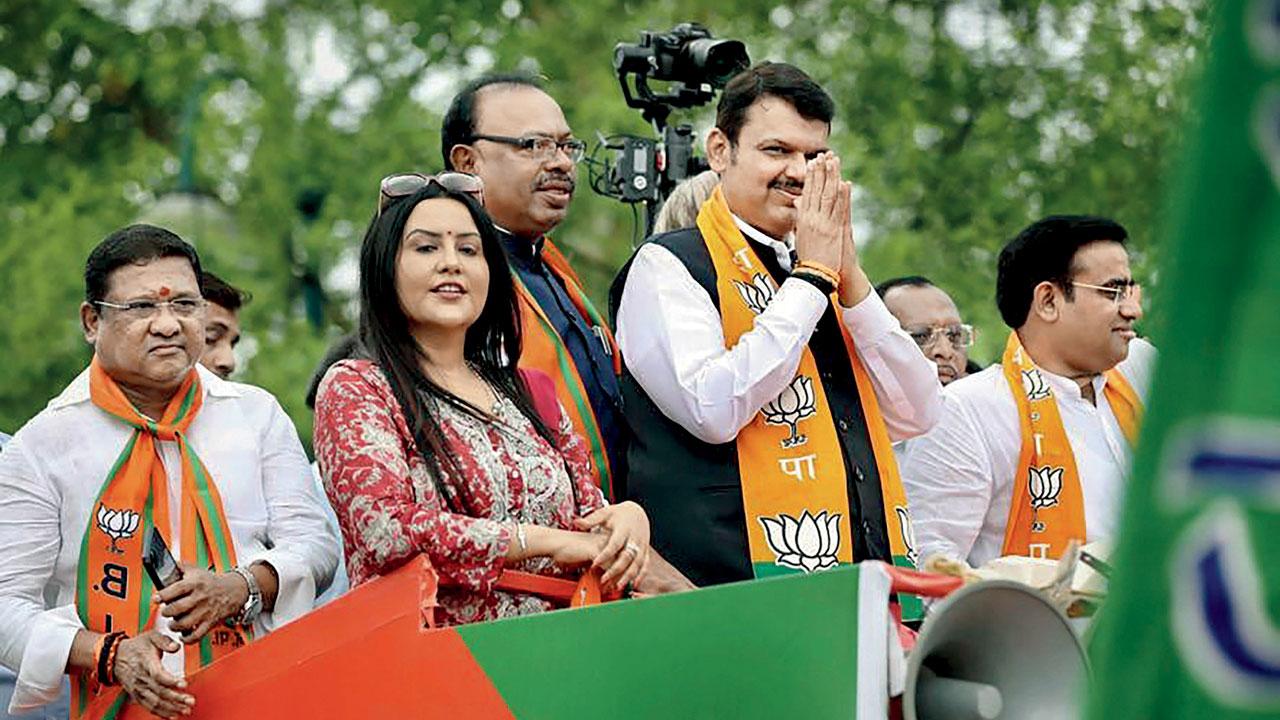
960	336
1119	292
398	185
147	309
541	148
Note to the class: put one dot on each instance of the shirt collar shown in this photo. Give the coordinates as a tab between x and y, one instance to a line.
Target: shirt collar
1065	387
781	248
78	391
519	247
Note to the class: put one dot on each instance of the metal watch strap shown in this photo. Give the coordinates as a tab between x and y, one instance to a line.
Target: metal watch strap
253	603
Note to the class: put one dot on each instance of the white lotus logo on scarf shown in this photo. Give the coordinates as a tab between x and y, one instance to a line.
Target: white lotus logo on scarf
807	544
1033	385
757	294
792	405
1045	484
908	533
117	524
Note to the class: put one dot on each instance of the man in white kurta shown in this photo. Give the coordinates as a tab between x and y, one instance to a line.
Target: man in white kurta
53	469
1064	286
959	476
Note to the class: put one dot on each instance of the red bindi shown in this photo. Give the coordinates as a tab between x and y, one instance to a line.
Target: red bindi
164	291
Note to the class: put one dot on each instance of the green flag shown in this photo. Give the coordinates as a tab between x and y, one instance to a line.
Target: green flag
1192	627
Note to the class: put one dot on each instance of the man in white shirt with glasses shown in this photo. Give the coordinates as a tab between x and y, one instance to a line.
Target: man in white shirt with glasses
1030	453
143	440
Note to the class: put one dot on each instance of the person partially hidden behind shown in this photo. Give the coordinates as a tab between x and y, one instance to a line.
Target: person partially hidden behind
680	209
435	443
221	323
929	315
1030	454
147	438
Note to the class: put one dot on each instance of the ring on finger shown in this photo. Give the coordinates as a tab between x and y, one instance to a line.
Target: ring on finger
633	548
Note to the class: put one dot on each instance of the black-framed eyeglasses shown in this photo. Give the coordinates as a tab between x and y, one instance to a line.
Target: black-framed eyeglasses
540	146
1119	292
398	185
960	336
147	309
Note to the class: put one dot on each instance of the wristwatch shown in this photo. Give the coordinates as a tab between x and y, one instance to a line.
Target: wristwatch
253	604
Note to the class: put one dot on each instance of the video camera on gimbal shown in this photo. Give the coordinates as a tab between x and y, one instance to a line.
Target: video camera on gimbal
645	170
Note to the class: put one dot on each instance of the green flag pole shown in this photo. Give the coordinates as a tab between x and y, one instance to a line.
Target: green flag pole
1192	627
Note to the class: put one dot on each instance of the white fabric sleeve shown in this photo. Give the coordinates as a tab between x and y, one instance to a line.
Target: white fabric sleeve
44	663
305	549
672	339
948	479
34	642
905	381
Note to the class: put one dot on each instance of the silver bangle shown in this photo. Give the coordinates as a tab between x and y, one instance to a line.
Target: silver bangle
252	604
520	538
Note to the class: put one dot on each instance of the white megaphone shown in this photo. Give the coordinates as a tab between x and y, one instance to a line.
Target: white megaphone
995	650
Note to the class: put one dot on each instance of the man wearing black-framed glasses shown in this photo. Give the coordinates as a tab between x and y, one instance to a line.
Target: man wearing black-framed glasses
1030	453
509	132
929	315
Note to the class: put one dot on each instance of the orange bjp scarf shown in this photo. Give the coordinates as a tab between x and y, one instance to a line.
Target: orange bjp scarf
794	488
1047	511
113	591
545	350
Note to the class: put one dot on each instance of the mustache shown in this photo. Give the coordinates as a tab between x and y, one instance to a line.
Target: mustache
788	185
554	179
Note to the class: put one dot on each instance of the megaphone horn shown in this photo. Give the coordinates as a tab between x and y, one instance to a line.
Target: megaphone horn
995	650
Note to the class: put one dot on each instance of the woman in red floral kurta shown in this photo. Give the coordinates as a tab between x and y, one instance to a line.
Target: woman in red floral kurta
508	472
483	481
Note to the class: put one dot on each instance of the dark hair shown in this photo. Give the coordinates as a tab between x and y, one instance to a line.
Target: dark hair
492	345
1045	252
459	124
905	281
347	346
779	80
132	245
220	292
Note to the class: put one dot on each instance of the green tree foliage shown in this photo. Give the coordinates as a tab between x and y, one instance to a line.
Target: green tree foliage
960	122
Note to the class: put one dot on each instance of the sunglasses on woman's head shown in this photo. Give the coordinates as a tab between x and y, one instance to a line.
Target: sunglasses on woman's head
394	187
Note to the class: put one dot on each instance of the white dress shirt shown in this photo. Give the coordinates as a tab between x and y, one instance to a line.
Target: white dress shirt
671	335
50	476
959	477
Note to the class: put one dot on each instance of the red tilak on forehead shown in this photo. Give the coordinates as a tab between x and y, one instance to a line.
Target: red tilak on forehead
164	291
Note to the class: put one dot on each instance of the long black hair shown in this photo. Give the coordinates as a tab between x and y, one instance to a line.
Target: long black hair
492	345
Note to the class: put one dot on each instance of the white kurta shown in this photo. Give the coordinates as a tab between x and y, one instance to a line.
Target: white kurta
959	476
50	476
672	337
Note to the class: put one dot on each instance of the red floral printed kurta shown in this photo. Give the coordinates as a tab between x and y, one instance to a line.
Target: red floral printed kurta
390	510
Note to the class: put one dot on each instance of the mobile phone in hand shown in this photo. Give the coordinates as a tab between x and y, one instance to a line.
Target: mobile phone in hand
159	562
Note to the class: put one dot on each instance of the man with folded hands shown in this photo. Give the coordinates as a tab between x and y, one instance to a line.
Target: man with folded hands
764	381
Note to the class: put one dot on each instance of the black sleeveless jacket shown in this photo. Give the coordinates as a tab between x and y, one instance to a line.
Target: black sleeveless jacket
691	489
